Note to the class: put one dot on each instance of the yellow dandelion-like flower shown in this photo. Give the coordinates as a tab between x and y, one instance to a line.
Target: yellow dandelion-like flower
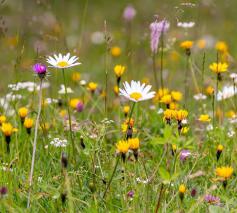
76	76
160	93
184	130
122	147
220	147
186	44
134	143
119	70
126	109
204	118
23	111
176	95
166	99
116	51
180	115
73	103
224	172
218	68
28	123
230	114
168	114
201	43
8	129
221	46
210	90
2	119
182	189
92	86
174	105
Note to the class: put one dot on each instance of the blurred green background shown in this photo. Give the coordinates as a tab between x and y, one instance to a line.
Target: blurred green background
32	29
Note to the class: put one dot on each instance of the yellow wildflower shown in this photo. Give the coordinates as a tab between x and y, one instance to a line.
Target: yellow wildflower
218	68
116	51
224	172
119	70
204	118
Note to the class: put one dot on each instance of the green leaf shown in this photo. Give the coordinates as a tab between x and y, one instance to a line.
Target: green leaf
165	175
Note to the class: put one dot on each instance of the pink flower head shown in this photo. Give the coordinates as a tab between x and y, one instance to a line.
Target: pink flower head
184	154
39	68
157	28
212	199
80	106
129	13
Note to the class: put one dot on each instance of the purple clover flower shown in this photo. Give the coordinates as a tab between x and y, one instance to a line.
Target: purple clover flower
130	194
157	28
184	154
3	190
39	69
80	106
212	199
129	13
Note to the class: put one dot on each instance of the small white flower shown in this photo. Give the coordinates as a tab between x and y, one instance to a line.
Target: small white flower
186	24
227	92
209	127
160	111
59	142
62	90
136	92
83	82
62	61
184	121
200	96
230	133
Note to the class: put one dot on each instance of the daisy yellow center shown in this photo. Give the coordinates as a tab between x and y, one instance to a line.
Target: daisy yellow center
62	64
136	95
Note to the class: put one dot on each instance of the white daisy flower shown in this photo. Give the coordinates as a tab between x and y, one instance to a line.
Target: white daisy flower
63	90
136	91
227	92
62	61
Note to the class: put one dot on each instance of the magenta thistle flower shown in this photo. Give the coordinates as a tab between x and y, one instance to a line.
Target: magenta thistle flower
80	106
129	13
184	154
212	199
157	28
40	68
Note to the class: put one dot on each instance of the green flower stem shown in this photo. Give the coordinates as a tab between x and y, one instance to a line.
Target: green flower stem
69	114
35	142
154	69
111	178
161	60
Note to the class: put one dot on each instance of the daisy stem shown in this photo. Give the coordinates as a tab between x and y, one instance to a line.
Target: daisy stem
35	142
68	110
213	109
110	180
154	69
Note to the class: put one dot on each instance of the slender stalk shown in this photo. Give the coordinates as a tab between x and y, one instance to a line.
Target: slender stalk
68	110
154	69
35	143
111	178
159	198
213	109
203	70
186	81
161	60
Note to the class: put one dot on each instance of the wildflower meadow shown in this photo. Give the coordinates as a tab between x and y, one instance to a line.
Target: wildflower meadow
118	106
